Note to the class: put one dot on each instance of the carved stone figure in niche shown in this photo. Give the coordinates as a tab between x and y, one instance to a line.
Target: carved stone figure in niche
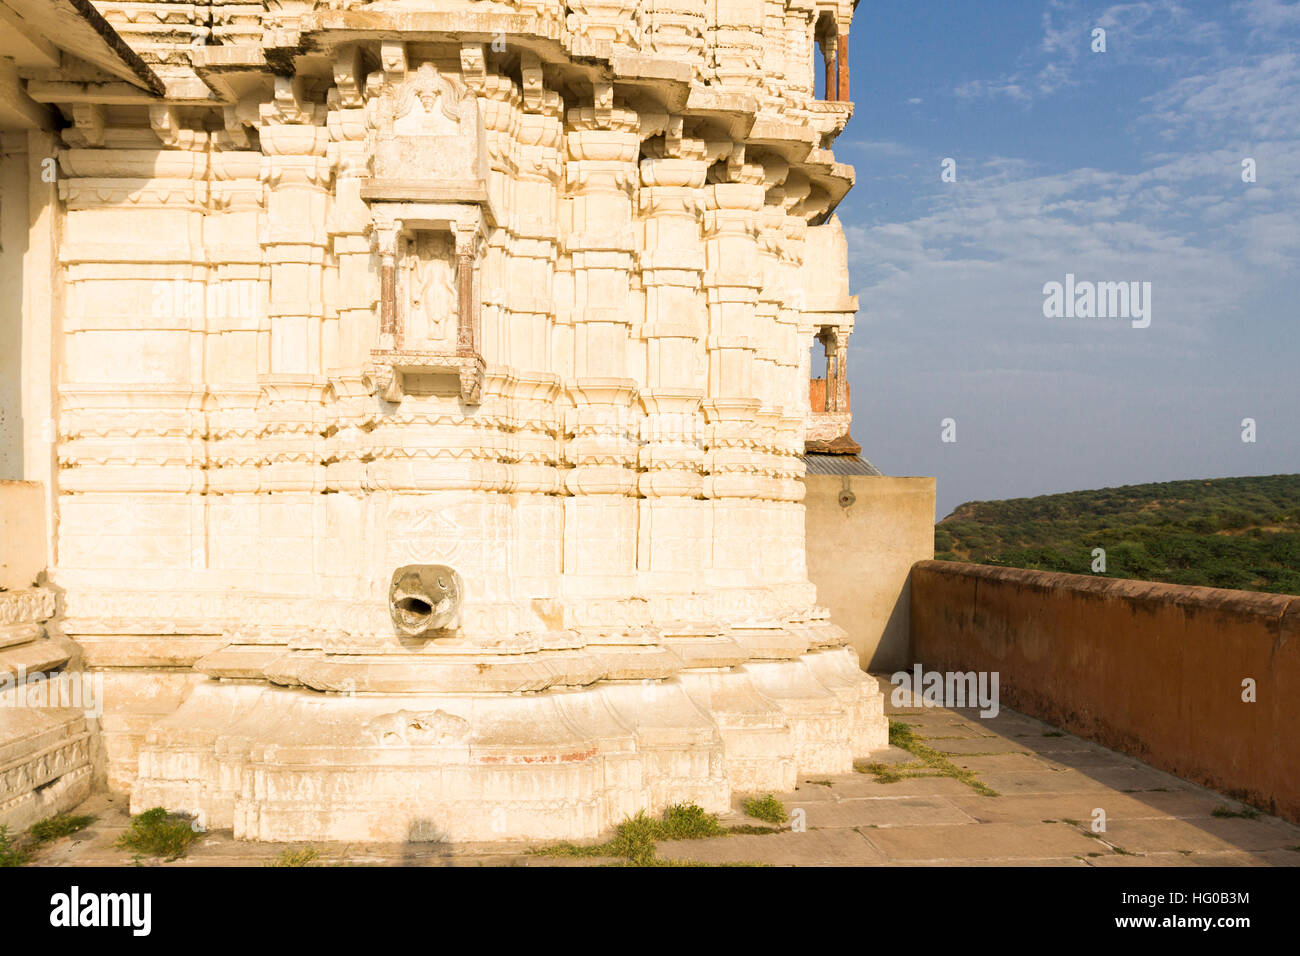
426	106
431	285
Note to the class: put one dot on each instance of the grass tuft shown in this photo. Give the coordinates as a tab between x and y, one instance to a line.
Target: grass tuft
767	808
18	851
894	772
931	763
159	833
58	826
304	857
12	853
901	735
686	821
634	839
1245	813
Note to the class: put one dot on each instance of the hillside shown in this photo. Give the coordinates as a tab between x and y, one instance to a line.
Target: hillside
1222	532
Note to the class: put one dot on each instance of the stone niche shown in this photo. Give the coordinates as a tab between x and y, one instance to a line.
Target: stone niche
430	214
429	300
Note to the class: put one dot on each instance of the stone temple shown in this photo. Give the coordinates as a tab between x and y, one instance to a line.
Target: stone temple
412	398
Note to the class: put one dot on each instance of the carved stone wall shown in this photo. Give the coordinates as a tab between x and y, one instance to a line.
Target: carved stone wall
524	289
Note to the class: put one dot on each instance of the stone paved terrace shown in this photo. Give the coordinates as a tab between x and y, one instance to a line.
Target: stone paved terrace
1048	785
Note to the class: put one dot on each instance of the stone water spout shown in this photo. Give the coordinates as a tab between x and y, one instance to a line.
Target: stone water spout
425	598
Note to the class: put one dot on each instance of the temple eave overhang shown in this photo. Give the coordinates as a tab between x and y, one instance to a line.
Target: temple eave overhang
78	29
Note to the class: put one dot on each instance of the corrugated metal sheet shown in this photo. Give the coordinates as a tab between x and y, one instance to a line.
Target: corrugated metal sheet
839	465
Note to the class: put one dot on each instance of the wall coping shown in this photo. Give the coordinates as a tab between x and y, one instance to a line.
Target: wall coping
1128	589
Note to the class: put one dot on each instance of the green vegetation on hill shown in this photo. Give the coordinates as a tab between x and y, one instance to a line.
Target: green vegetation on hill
1223	532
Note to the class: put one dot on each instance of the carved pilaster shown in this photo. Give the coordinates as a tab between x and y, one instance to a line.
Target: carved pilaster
675	30
799	49
672	447
353	331
297	171
736	38
528	277
597	25
732	282
603	142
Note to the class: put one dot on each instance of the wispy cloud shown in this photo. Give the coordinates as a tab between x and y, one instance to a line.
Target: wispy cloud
1159	33
1258	97
951	289
1268	15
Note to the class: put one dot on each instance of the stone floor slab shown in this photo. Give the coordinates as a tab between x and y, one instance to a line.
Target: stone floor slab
984	764
1044	744
973	745
1010	783
1200	835
811	848
988	841
866	785
868	812
1044	862
1137	777
805	792
1178	859
1192	802
1043	807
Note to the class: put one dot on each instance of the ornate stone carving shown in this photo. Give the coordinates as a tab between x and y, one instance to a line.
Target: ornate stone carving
365	290
410	729
425	131
432	296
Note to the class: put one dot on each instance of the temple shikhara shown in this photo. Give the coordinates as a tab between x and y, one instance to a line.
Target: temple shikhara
410	401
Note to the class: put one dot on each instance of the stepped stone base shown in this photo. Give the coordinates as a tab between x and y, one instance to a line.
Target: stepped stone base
44	763
287	764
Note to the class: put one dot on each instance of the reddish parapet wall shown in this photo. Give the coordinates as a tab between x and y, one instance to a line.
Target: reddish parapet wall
1154	670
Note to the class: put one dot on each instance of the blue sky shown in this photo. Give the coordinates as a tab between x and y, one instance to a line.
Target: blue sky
1117	166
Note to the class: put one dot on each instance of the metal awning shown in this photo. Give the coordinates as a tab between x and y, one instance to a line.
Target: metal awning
817	464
